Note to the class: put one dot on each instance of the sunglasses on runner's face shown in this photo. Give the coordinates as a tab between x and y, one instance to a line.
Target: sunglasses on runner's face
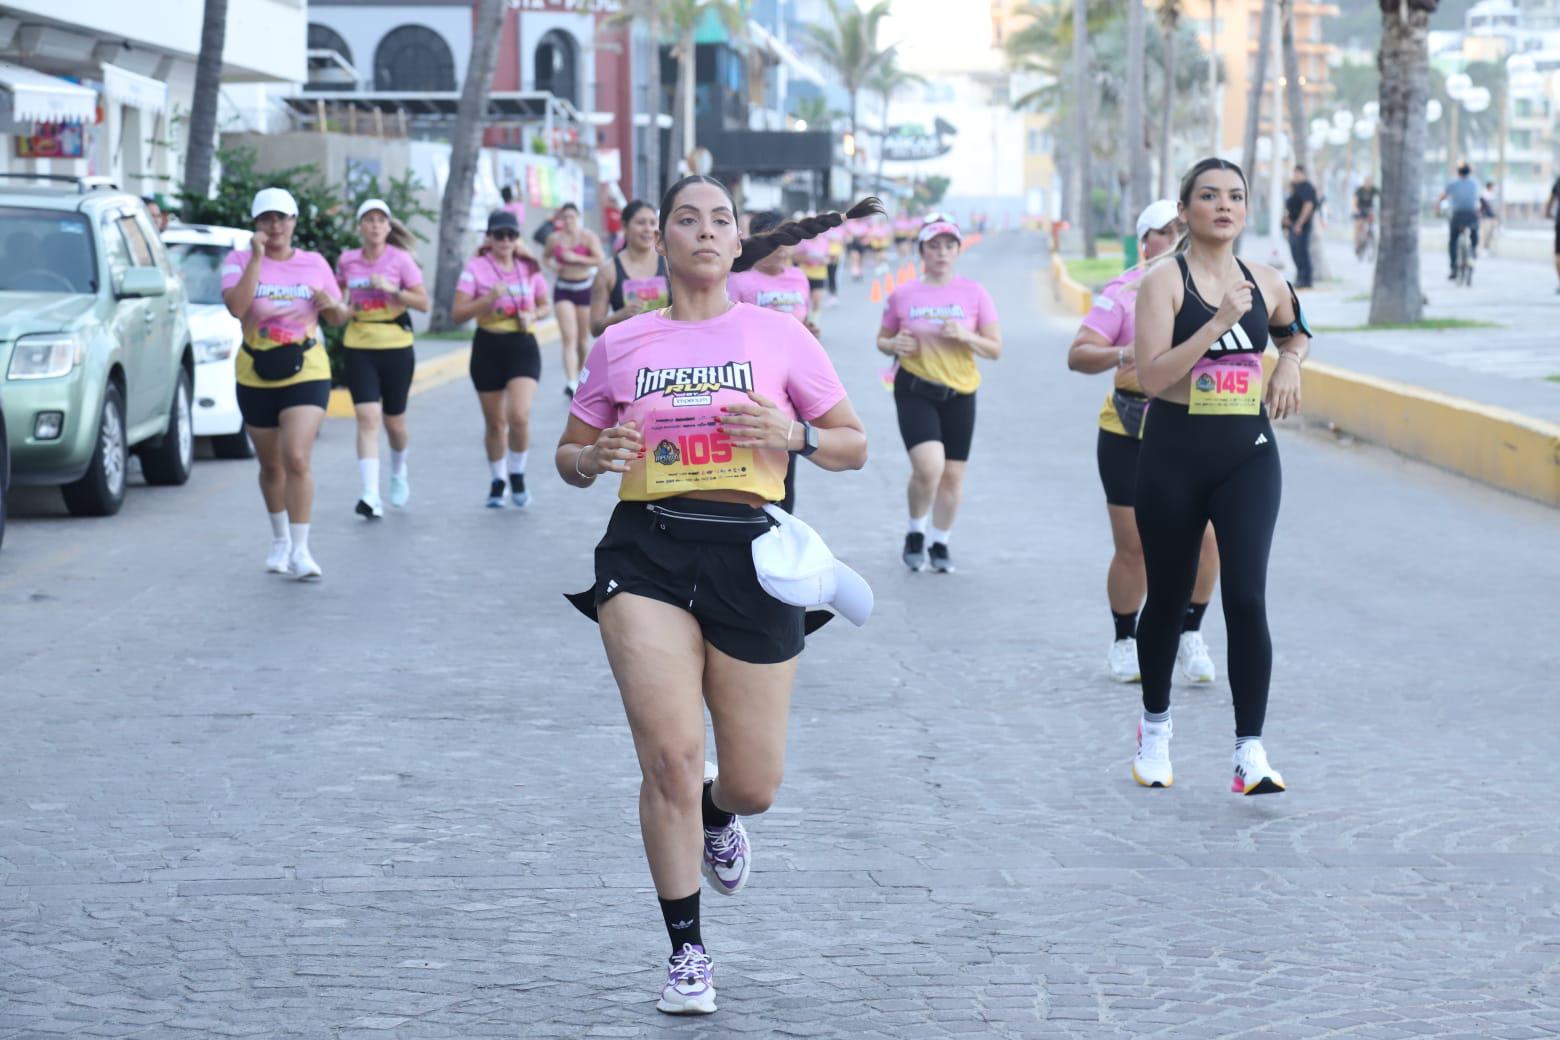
505	236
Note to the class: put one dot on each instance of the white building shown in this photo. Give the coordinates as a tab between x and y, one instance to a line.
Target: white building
104	87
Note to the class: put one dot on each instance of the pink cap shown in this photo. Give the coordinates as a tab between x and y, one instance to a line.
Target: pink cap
940	227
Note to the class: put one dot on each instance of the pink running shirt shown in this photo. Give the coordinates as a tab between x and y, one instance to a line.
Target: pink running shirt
524	289
921	309
1113	316
673	378
374	311
786	292
283	311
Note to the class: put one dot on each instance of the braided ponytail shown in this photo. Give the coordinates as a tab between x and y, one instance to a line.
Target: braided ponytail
757	247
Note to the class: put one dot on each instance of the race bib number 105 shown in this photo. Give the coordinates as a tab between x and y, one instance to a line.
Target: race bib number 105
686	450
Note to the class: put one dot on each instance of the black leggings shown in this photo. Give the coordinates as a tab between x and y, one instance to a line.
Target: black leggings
1193	469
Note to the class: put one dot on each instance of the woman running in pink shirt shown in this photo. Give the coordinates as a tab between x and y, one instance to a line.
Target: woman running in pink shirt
697	407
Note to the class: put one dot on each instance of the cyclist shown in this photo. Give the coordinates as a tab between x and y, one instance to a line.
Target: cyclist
1464	196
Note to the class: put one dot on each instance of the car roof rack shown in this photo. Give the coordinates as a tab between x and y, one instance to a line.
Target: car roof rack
82	184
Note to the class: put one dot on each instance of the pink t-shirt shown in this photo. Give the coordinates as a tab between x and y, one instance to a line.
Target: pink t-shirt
857	229
812	256
1114	308
374	310
524	289
905	225
786	292
921	309
283	311
673	378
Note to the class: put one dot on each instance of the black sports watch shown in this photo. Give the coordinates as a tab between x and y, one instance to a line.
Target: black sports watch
809	438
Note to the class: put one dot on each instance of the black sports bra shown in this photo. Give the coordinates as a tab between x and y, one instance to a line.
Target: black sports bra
615	300
1250	336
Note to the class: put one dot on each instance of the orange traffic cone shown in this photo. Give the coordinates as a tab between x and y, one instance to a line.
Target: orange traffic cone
877	291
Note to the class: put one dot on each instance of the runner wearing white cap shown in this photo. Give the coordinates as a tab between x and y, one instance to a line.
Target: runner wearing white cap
1104	344
935	327
701	598
382	283
280	294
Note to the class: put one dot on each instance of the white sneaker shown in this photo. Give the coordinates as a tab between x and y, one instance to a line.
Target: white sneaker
728	857
1192	656
276	559
369	508
1122	660
302	566
1253	775
690	983
1151	764
400	490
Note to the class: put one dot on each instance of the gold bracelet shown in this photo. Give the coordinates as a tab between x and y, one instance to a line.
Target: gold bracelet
582	473
1292	356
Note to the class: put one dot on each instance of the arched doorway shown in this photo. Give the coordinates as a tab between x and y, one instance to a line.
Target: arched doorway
413	57
323	73
557	65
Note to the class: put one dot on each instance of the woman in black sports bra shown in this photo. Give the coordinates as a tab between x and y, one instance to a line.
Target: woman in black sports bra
1209	454
635	281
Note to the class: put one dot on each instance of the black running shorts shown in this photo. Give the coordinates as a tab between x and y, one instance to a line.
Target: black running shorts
697	555
1117	456
381	376
933	412
498	357
262	406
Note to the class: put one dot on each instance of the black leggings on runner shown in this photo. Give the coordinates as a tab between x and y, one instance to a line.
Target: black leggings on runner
1193	469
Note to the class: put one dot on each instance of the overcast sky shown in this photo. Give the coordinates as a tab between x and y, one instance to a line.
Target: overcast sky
939	34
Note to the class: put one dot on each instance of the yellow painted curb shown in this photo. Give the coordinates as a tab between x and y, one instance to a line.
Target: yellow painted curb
432	373
1514	452
1072	294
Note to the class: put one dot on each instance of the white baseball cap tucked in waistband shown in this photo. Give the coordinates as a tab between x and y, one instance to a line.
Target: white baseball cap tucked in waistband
1155	216
274	200
369	205
795	566
939	227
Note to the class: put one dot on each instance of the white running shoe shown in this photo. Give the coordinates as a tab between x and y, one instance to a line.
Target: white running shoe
276	559
690	983
1151	765
1122	660
728	858
400	490
1192	655
1253	775
302	566
369	508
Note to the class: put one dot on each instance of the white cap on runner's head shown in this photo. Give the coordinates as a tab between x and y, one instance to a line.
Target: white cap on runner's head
370	205
274	200
939	227
1156	216
795	566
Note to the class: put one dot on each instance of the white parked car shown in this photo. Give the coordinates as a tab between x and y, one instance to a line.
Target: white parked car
198	250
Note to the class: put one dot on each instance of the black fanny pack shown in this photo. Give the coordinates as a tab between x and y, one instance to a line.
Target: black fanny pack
280	362
1130	409
732	525
928	389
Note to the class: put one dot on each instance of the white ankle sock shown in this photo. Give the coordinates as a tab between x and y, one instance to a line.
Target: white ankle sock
398	462
368	469
918	524
937	536
496	467
300	538
517	461
279	526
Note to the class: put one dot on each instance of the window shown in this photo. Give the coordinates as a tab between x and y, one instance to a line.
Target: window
327	74
556	61
413	57
44	251
115	248
140	251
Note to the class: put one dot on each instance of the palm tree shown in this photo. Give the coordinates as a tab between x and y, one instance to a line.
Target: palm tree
649	12
1136	154
887	80
1081	86
1248	154
849	45
1169	25
1294	103
465	148
1404	61
815	112
203	109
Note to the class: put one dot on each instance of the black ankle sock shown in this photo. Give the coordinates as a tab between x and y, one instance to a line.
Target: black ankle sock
1126	625
682	920
714	816
1193	620
517	482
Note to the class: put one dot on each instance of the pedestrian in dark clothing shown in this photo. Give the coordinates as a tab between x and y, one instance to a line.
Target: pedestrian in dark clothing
1299	217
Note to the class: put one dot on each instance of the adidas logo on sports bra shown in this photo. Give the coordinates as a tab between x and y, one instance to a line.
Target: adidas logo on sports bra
1233	341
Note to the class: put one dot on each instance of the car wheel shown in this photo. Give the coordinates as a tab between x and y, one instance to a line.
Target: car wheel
101	490
169	462
233	446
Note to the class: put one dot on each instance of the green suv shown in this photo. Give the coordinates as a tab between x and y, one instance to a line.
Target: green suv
95	355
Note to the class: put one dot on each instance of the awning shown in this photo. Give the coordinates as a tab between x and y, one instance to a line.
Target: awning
38	98
783	53
133	89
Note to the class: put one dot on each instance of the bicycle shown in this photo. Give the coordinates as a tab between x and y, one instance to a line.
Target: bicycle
1464	268
1365	244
